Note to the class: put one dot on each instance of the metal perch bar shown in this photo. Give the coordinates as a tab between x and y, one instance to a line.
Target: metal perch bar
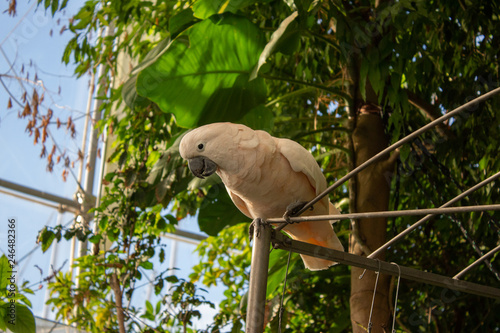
396	213
477	262
281	241
428	217
397	145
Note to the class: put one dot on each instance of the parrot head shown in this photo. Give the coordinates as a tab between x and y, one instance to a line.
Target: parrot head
206	147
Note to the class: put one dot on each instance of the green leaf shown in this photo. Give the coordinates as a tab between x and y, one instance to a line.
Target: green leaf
63	5
237	326
341	321
277	269
259	118
156	53
129	91
18	318
218	211
3	324
46	237
122	159
95	239
54	7
180	21
171	219
172	279
162	256
4	273
158	306
404	152
161	224
205	8
149	307
130	96
146	265
363	75
211	60
279	37
483	162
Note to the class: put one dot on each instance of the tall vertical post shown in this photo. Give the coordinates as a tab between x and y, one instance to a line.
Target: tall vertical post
258	277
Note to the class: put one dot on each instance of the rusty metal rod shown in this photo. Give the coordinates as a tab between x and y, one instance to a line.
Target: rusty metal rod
281	241
395	213
258	277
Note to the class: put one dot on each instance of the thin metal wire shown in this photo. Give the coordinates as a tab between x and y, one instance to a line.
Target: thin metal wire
283	293
370	324
428	217
395	213
474	245
477	262
397	145
396	300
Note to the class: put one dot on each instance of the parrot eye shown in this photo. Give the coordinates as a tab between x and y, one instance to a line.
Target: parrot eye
201	147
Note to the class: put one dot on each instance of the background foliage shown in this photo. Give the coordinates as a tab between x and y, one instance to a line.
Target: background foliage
285	67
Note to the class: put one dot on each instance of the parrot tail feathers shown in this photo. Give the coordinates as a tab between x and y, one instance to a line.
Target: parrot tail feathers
316	264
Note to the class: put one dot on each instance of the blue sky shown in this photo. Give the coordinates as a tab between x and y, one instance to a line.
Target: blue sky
31	44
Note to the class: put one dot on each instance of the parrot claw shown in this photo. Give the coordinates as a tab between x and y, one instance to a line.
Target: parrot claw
292	210
255	223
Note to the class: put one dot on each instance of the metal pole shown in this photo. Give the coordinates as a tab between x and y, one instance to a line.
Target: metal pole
89	199
84	145
172	263
87	120
60	207
52	269
40	194
184	236
280	241
258	277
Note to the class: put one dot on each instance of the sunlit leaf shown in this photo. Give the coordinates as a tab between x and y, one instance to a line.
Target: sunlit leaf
206	8
211	60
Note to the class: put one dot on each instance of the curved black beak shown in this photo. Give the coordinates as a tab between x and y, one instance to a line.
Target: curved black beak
202	167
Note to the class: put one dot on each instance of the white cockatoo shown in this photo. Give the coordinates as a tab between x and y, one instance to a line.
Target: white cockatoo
264	177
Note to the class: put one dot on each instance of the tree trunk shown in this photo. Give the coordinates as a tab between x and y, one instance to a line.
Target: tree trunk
372	194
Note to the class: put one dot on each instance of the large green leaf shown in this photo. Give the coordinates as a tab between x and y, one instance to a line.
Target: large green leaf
206	8
202	76
180	21
218	211
18	318
259	118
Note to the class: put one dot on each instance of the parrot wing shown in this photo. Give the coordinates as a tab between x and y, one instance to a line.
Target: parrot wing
240	204
320	233
302	161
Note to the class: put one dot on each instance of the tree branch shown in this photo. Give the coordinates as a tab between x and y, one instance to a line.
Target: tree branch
115	285
430	111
